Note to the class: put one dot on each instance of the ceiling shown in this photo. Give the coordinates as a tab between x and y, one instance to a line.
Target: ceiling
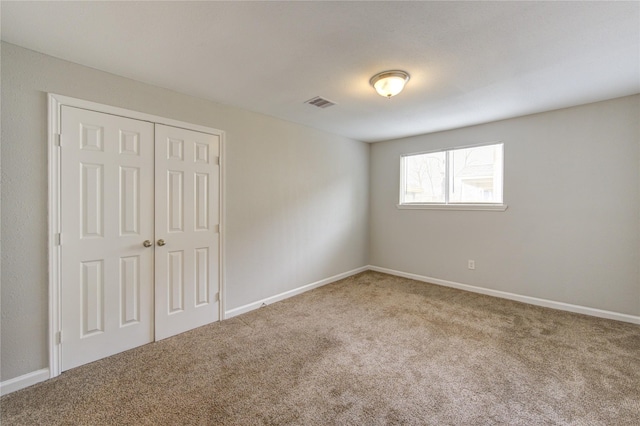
470	62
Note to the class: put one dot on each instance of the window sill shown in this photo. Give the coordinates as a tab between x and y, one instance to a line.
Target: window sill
479	207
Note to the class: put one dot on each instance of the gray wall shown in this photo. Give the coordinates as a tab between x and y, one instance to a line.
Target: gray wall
572	230
296	207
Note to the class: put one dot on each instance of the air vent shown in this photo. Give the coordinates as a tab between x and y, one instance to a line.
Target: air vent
320	102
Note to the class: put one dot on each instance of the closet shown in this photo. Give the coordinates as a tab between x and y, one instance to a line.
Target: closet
139	217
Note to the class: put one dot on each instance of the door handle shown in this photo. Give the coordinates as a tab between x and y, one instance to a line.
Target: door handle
147	243
161	242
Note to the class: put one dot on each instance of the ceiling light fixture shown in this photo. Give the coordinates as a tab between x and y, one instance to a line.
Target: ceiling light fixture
389	83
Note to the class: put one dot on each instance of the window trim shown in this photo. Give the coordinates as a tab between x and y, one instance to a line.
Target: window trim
453	206
446	205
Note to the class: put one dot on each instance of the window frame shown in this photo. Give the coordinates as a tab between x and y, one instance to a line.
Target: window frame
448	205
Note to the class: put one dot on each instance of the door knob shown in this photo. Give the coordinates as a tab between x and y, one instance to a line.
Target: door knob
161	242
147	243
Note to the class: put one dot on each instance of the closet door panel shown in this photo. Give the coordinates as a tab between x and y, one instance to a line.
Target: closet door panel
107	212
187	204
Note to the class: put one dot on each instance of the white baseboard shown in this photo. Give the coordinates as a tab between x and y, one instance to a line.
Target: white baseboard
269	300
23	381
512	296
38	376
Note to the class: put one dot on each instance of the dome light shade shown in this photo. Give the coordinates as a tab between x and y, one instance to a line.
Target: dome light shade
389	83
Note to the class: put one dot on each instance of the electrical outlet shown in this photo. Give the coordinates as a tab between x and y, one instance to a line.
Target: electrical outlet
471	264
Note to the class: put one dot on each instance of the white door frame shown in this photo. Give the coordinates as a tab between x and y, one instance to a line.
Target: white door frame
55	238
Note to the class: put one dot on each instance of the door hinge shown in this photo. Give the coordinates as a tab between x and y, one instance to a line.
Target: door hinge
217	297
216	161
58	239
59	337
56	139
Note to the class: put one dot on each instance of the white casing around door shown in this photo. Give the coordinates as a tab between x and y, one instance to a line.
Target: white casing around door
187	219
107	212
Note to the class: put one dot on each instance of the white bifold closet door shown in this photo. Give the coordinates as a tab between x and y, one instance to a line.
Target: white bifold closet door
187	188
139	240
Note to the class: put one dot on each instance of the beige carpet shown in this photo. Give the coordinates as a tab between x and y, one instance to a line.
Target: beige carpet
368	350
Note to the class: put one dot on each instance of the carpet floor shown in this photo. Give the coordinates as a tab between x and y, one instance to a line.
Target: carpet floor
372	349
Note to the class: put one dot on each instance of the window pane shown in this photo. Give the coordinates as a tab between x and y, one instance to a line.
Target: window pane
424	178
475	175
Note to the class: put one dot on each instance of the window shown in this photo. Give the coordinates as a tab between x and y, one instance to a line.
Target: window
466	178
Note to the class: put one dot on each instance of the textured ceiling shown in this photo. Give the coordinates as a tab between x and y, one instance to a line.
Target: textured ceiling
470	62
